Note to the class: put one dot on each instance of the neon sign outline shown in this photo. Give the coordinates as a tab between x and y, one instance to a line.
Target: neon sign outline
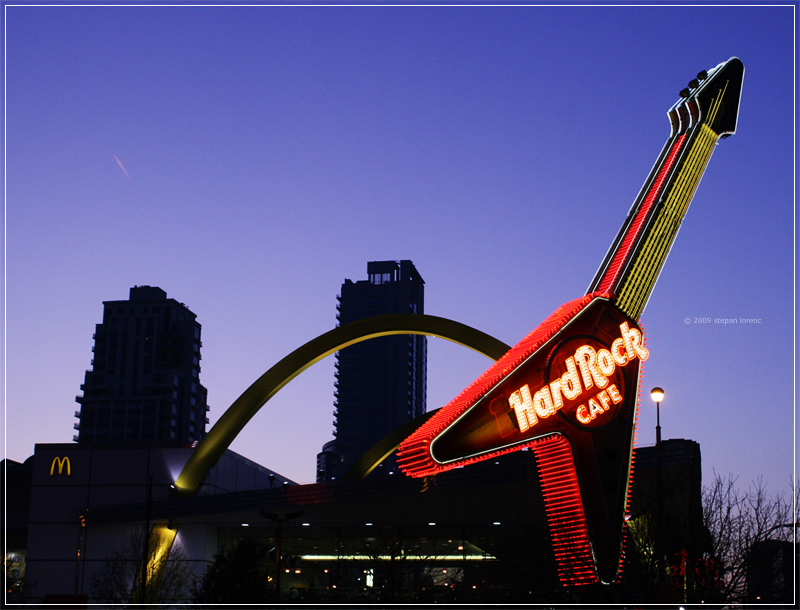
626	278
698	120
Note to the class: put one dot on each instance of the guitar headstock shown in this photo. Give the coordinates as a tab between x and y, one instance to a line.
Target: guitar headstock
711	98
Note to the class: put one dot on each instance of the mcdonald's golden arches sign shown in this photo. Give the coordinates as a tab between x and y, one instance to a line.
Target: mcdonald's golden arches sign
63	465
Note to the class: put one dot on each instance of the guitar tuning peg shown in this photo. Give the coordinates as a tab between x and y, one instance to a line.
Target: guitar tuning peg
702	75
694	84
685	93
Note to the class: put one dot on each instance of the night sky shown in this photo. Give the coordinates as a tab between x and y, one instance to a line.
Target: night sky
249	159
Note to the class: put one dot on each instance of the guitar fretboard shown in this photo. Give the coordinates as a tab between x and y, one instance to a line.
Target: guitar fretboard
637	256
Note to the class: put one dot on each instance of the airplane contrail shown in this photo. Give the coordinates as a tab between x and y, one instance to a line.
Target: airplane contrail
122	167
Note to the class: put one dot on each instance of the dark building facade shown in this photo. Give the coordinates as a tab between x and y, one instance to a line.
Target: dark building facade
380	383
681	482
144	385
771	576
478	534
666	515
379	539
52	554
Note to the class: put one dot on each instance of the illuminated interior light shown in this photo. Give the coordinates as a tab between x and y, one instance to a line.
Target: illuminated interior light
245	525
476	557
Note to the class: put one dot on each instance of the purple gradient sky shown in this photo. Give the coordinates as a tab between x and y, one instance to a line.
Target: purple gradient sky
273	151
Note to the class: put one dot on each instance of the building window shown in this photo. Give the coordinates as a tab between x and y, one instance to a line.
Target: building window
380	278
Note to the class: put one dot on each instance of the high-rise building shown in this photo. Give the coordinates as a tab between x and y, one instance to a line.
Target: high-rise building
380	383
144	385
680	485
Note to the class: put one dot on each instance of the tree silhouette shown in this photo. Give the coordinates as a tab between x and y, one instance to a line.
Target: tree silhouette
740	524
238	575
118	583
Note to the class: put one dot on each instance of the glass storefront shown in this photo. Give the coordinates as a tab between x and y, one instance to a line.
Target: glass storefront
384	564
14	564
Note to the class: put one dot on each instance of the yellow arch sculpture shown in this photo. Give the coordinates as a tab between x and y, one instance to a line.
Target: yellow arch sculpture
213	446
222	434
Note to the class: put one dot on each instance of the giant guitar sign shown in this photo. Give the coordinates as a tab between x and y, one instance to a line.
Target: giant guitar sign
570	389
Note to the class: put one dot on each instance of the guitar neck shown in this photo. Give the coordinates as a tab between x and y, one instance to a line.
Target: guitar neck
637	255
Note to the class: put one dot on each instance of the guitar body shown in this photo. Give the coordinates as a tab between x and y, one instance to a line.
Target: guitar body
569	390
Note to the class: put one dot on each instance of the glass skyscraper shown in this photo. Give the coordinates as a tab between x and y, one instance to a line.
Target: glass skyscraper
144	385
380	383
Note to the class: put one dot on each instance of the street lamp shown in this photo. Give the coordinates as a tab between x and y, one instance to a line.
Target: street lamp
657	394
278	538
